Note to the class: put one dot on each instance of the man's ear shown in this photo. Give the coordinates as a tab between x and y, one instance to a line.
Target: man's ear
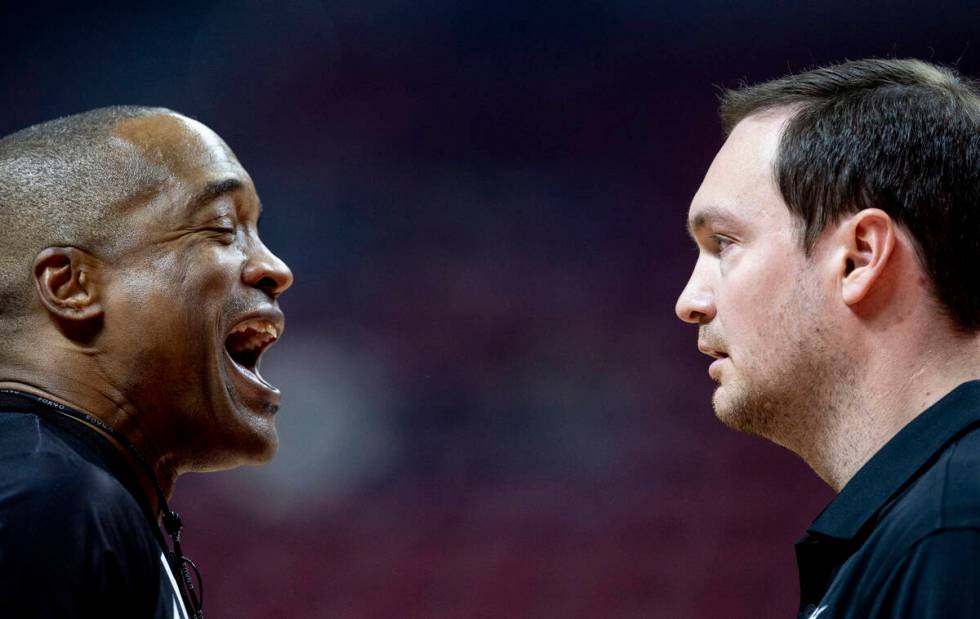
868	239
66	280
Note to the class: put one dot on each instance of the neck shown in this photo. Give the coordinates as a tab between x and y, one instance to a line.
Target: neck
894	388
126	437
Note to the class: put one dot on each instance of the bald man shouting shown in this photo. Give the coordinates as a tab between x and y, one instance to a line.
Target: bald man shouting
136	300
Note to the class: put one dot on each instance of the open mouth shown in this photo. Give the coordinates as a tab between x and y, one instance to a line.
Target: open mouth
245	344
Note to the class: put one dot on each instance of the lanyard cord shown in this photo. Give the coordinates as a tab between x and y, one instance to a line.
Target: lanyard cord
171	520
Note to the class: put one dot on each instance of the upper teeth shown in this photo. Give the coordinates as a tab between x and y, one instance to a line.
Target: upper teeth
259	325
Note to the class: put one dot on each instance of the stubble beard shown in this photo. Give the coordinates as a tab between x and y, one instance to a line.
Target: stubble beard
797	388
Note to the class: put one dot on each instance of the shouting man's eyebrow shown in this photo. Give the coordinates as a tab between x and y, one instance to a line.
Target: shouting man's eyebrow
212	191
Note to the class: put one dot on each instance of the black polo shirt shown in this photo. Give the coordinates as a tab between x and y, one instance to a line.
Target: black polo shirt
902	539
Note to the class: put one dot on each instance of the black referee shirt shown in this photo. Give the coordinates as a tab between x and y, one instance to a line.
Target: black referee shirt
902	539
77	538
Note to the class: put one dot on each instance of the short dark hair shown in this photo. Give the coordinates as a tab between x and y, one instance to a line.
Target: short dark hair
899	135
60	182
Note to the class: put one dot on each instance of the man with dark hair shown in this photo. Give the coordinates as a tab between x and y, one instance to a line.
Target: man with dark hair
136	299
837	289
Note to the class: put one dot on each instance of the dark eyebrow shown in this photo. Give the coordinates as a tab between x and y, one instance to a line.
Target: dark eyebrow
707	215
212	191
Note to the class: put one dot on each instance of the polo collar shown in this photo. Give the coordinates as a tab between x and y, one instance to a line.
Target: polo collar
901	460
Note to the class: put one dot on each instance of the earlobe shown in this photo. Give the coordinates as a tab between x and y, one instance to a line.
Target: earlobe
869	242
65	280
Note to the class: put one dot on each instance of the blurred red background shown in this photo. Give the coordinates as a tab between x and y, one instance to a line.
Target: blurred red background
490	409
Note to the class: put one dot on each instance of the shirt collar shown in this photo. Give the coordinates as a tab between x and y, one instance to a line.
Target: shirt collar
901	459
85	440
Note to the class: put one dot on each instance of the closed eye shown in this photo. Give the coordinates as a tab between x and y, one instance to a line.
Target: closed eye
222	225
223	234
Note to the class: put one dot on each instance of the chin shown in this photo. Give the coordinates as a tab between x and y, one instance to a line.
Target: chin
243	453
257	442
720	402
245	436
268	451
723	409
730	409
749	410
246	432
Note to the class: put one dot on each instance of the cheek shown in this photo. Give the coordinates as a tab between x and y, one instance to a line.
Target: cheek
754	299
201	275
178	292
217	266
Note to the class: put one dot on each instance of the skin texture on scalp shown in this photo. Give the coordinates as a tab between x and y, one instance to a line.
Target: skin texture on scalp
61	182
125	313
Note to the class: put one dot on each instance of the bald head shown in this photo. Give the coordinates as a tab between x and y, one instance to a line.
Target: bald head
62	183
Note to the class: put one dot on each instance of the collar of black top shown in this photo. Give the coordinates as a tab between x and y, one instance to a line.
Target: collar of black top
900	462
95	444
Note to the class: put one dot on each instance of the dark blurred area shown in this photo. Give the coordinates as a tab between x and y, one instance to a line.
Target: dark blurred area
490	409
